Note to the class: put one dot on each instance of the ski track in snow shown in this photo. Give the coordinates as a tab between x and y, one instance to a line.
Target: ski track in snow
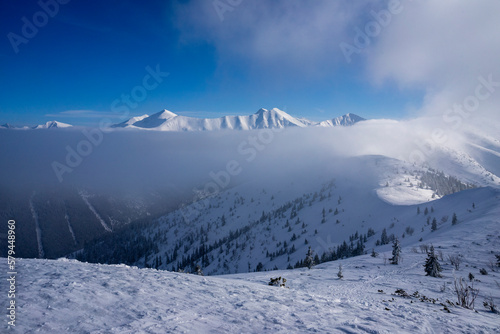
41	253
91	208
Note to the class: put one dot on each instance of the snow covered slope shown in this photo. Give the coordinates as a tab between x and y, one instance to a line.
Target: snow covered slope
129	121
262	119
52	125
345	120
260	225
67	296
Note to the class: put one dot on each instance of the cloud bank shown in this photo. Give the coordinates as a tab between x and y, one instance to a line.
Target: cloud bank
443	47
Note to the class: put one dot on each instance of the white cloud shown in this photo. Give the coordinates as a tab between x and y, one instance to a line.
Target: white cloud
441	47
295	36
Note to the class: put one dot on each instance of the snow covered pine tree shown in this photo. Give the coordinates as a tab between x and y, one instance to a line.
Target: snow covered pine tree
396	252
309	262
432	266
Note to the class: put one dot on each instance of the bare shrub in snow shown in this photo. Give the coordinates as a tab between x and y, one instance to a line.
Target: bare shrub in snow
340	274
455	261
490	305
466	294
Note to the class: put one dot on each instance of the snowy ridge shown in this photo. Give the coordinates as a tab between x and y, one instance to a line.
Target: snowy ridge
263	119
465	166
129	121
52	125
345	120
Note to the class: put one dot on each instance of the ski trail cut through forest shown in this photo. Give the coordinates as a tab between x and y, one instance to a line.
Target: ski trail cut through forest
41	253
70	228
91	208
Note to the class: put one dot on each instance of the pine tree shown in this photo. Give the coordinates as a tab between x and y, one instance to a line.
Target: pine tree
396	252
309	261
384	240
340	274
434	225
432	266
426	211
454	220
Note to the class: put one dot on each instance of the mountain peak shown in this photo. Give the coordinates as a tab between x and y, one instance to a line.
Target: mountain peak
261	111
272	111
7	126
155	120
165	114
130	121
344	120
52	125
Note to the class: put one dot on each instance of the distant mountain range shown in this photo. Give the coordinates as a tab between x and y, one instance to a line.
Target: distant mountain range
263	119
168	121
48	125
52	125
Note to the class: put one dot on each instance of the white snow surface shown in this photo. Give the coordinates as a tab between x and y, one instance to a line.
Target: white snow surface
65	296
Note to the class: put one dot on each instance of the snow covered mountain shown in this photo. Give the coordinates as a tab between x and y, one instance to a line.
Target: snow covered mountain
7	126
252	207
257	226
262	119
168	121
52	125
130	121
372	297
345	120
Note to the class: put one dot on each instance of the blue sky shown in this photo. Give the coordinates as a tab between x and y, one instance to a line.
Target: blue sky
233	60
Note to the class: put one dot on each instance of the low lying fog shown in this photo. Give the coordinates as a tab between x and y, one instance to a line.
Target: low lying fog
137	161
